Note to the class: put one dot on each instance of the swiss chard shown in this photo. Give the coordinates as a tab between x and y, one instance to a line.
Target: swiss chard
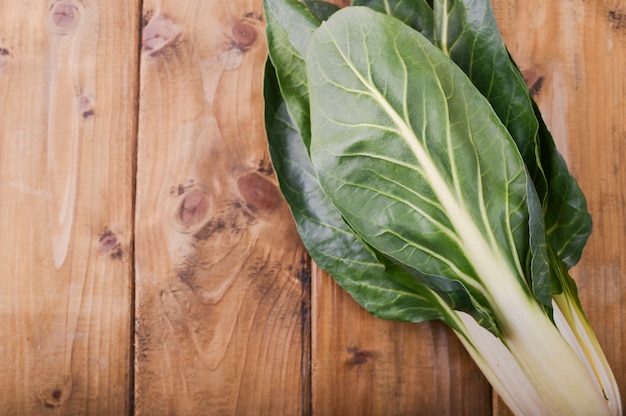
423	180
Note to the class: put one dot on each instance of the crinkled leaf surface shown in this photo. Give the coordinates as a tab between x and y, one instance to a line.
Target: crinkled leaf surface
290	25
466	30
416	160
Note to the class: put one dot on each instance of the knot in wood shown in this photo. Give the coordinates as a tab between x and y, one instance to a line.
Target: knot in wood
85	105
357	356
110	244
55	396
258	191
244	34
533	80
4	55
64	16
160	32
194	208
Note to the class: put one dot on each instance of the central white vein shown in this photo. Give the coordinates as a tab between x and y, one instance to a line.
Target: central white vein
486	259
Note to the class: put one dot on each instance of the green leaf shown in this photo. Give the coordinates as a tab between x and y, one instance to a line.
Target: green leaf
418	14
330	242
321	9
382	288
467	31
416	161
500	299
568	221
289	27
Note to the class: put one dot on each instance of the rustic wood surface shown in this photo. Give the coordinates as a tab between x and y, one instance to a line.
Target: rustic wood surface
137	193
68	88
221	277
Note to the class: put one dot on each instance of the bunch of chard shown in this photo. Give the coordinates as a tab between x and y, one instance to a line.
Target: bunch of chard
423	179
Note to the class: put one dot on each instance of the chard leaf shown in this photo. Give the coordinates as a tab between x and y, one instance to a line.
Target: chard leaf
418	14
289	27
320	8
379	286
382	288
568	221
416	161
468	32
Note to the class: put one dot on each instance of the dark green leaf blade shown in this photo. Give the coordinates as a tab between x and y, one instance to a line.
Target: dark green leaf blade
418	14
289	28
410	158
320	8
568	221
384	290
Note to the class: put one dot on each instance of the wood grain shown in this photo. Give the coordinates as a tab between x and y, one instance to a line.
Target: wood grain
222	279
66	166
362	365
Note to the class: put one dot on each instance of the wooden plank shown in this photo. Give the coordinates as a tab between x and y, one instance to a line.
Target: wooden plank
574	53
222	279
362	365
66	165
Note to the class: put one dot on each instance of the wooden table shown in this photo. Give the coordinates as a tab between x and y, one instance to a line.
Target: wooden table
149	264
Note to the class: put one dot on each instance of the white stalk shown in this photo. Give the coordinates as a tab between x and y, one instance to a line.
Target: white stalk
500	368
573	324
533	368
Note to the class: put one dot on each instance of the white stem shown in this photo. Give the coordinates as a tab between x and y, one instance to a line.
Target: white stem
533	367
500	368
575	327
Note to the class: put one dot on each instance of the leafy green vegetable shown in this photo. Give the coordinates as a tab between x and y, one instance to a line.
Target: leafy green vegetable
399	168
426	192
328	238
417	14
354	265
289	28
321	9
467	32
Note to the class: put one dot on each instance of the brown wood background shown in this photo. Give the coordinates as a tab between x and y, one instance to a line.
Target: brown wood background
148	263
